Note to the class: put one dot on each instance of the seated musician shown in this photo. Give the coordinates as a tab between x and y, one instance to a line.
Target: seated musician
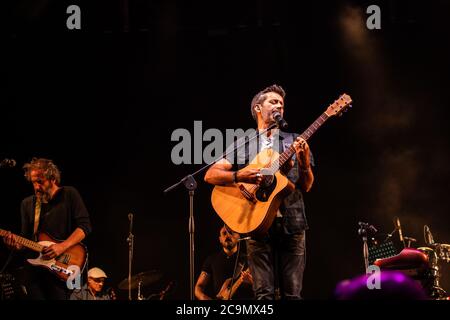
217	271
93	289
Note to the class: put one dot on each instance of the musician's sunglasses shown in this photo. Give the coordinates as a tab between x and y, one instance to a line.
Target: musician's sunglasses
99	280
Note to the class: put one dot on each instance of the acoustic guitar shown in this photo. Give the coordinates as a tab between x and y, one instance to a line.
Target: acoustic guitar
226	293
249	208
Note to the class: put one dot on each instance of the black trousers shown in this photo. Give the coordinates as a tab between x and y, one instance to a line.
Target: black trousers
277	260
43	285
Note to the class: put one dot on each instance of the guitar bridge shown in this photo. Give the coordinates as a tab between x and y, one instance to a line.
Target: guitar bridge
247	194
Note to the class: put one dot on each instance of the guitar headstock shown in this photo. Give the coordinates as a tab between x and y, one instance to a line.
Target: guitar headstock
340	105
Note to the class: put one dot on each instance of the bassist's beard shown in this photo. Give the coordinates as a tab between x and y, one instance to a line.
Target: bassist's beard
43	196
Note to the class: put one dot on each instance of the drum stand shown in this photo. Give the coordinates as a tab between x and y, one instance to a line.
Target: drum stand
436	252
435	290
139	295
363	231
130	241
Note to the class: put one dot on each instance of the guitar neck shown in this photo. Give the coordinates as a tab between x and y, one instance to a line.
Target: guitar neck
237	284
25	242
289	152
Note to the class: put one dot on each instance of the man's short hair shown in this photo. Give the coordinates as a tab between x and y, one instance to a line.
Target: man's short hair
228	229
261	96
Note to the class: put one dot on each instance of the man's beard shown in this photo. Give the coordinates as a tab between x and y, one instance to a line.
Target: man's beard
229	244
43	196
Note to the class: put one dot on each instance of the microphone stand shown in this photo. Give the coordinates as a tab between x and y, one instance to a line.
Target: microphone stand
236	261
190	184
365	250
363	231
130	241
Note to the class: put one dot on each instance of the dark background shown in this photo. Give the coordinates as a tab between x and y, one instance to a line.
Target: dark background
103	101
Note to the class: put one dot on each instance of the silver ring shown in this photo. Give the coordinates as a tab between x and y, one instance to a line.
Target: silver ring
258	175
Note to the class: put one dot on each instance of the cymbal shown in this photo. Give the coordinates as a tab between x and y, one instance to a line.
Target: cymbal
145	278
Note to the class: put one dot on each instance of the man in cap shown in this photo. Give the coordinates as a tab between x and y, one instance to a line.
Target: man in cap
93	289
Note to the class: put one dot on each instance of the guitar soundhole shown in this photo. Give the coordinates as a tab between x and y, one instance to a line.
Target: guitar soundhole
265	190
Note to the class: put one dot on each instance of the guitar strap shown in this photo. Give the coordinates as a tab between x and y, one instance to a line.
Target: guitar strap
247	150
37	215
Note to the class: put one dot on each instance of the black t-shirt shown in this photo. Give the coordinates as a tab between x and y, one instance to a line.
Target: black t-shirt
219	267
59	217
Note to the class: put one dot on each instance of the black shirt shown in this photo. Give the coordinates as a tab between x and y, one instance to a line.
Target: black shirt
59	217
219	267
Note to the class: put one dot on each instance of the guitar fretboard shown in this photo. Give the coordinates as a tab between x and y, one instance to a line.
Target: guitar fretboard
24	241
236	285
287	154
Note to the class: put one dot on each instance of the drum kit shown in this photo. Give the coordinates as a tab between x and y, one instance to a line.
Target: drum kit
145	280
421	264
141	280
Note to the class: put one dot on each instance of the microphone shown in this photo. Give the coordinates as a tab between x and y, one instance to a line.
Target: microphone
130	234
428	236
7	163
399	228
130	218
245	239
281	123
368	227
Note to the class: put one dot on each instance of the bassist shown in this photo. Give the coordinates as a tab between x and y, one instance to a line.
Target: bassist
56	210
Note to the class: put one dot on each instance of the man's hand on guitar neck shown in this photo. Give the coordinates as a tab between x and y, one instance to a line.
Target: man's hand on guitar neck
306	177
10	241
247	277
302	152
